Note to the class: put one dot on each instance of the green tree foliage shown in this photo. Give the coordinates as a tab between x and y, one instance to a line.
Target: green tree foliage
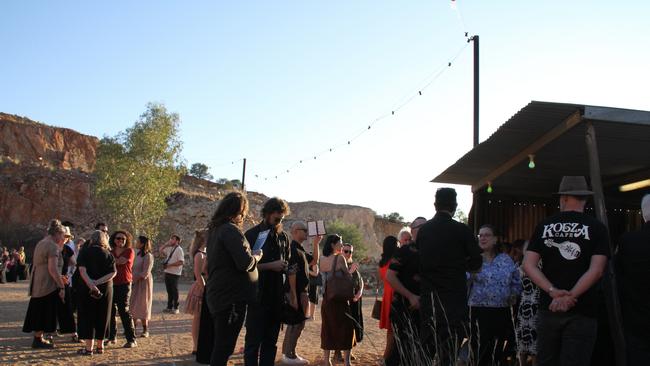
394	217
137	169
460	216
200	171
351	234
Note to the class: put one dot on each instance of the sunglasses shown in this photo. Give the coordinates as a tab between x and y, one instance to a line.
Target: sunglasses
347	251
121	238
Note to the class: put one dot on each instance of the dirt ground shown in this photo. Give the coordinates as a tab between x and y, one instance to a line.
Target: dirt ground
170	342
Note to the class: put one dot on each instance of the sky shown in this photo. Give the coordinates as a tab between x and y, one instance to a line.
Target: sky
284	81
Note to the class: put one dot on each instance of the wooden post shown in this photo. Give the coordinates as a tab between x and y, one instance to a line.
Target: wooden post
243	177
608	281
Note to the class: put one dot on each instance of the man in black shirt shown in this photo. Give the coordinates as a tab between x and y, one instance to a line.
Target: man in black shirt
447	250
633	275
264	315
298	278
404	277
573	248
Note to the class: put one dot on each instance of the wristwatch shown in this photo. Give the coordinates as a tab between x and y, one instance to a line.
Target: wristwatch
551	289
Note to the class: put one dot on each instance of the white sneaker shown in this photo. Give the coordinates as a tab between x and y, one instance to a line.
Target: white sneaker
293	361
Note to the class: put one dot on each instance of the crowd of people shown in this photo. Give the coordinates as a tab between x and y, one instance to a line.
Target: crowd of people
449	295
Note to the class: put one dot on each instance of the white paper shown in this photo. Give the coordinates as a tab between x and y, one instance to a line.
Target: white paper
321	227
261	239
312	228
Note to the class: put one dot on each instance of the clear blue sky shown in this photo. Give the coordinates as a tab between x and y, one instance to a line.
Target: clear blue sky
278	81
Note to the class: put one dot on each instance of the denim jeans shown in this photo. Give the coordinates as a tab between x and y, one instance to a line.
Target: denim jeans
565	339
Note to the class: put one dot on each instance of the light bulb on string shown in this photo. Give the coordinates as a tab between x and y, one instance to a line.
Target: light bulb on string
489	188
531	161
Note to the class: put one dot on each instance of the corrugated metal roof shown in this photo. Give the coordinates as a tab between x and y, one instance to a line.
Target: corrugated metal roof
623	138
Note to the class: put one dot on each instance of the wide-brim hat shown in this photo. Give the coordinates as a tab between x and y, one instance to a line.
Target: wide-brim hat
574	185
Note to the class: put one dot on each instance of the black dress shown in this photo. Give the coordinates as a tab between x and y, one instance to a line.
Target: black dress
356	308
93	314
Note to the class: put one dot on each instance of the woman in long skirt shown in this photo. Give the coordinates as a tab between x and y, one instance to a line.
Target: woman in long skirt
142	292
96	267
195	294
46	287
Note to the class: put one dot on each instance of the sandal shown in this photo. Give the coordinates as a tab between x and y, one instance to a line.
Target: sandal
85	352
99	351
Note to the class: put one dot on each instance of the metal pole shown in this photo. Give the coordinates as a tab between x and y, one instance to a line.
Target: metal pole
608	281
476	196
476	89
243	177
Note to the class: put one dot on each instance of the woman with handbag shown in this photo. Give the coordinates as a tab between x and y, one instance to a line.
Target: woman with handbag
337	328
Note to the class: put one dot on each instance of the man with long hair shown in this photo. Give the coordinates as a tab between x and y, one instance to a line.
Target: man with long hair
264	315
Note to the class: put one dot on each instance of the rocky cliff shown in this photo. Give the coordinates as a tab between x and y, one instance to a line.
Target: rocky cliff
45	172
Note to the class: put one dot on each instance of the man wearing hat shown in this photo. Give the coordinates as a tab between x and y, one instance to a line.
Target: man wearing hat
573	248
447	250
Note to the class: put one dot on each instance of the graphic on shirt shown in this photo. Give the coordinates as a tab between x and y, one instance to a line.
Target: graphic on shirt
568	250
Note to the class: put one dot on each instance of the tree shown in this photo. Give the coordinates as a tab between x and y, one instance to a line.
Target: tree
394	217
200	171
236	183
351	234
460	216
137	169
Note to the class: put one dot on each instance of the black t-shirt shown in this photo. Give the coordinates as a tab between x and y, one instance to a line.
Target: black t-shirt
66	253
98	262
406	263
271	283
300	263
566	242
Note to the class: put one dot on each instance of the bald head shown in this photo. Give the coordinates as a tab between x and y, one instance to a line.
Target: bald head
299	231
415	226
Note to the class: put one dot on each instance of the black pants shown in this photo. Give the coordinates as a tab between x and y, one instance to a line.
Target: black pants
121	295
565	339
491	329
262	330
65	312
93	314
171	283
406	327
227	325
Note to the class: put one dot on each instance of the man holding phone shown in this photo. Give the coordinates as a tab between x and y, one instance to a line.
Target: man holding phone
264	315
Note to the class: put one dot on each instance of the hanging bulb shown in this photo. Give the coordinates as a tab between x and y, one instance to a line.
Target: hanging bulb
489	188
531	161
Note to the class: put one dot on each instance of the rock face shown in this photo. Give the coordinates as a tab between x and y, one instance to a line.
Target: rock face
45	173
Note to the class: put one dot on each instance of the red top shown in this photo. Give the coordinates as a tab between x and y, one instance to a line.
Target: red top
124	274
387	299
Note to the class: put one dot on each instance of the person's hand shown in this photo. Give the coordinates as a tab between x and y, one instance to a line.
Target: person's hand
293	302
555	293
62	294
317	239
414	301
353	267
94	289
278	266
65	280
356	298
258	253
562	304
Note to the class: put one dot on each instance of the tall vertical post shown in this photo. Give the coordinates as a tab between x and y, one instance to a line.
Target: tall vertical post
608	280
476	89
243	177
475	200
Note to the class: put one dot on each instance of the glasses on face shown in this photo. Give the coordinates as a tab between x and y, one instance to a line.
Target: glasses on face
347	251
120	238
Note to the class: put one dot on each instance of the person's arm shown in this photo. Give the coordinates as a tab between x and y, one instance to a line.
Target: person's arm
148	266
531	259
234	243
89	282
315	250
589	278
161	250
54	273
396	284
106	278
293	298
204	267
473	259
198	268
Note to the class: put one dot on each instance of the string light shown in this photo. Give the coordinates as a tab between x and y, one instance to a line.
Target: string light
489	188
531	161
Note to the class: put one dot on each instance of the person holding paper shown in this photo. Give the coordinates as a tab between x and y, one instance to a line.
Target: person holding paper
298	287
232	275
264	315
